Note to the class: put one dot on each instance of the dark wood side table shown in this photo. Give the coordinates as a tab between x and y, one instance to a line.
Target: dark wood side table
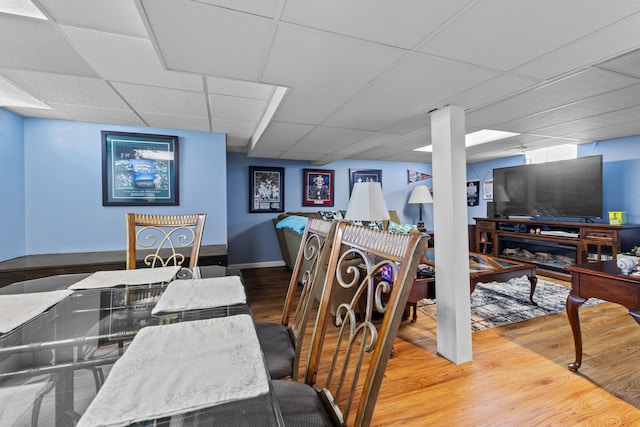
601	280
422	288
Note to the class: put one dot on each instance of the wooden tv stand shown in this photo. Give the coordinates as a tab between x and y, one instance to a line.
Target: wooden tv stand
553	245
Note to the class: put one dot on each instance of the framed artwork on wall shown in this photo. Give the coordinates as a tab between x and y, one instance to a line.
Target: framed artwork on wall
266	189
139	169
364	175
318	187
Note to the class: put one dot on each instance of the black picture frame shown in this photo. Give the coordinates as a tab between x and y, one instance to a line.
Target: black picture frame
318	187
357	175
473	193
139	169
266	189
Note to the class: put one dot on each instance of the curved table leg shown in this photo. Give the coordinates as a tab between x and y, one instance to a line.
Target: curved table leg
573	304
635	315
533	280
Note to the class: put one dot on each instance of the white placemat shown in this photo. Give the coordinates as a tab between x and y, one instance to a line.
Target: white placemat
16	309
179	368
140	276
196	294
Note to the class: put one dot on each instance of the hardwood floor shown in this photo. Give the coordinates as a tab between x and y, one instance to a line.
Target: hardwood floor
518	375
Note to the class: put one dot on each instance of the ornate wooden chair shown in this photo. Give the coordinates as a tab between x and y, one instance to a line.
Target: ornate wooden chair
165	240
341	383
281	343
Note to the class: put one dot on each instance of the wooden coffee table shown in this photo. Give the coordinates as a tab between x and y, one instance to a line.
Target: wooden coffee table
485	268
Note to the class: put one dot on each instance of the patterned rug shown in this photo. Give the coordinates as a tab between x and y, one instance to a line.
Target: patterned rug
497	304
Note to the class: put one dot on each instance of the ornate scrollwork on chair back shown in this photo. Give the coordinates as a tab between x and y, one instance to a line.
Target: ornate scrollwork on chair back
368	323
164	239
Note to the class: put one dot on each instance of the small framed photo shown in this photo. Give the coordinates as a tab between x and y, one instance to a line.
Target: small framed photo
318	187
364	175
266	189
139	169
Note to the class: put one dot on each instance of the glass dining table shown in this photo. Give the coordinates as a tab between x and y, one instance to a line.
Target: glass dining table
55	367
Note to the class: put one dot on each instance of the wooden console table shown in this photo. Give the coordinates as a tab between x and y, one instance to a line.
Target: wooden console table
601	280
553	245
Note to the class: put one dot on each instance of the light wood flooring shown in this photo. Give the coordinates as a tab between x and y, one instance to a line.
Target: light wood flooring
518	376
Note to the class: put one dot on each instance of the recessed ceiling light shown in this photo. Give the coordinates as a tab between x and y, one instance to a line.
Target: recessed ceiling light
476	138
22	8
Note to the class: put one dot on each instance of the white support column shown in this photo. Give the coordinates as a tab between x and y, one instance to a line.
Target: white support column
451	231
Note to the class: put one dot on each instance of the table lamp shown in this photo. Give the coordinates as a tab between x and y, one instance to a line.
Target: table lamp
367	203
419	196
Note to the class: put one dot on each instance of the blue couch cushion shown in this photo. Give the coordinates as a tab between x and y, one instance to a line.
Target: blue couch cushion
294	222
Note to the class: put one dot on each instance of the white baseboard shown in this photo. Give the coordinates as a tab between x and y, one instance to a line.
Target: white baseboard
258	265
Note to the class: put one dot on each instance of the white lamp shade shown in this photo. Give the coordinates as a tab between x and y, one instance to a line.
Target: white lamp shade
420	194
367	203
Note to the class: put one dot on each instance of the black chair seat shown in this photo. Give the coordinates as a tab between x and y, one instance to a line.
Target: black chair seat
300	404
277	348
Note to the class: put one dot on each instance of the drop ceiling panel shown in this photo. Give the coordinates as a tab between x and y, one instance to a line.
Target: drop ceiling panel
375	140
257	7
163	100
593	122
172	121
233	127
233	108
378	20
65	89
128	59
12	95
414	85
410	141
324	71
292	155
585	84
40	113
282	136
413	157
236	142
616	100
410	123
267	154
484	36
210	40
83	113
113	16
496	88
594	48
326	140
628	64
377	154
220	86
34	44
610	132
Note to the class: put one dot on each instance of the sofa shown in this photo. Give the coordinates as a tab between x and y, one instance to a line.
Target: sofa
290	226
289	233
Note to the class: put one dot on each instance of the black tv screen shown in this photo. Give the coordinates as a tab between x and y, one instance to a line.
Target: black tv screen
566	188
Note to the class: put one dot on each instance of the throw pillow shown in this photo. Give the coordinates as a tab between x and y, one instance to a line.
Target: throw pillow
331	215
400	228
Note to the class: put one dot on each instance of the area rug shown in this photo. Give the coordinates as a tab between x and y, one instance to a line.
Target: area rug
501	303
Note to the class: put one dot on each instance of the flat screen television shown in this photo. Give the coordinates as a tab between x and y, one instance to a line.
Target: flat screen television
566	188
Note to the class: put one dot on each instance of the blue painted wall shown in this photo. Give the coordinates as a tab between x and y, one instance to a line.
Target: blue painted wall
621	169
59	178
51	200
251	235
12	197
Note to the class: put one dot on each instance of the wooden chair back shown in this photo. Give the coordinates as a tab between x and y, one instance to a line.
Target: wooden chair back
309	268
164	240
348	375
